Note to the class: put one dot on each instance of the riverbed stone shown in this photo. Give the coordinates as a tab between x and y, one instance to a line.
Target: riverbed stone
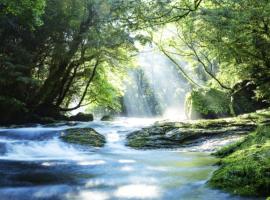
244	100
84	117
107	118
182	134
83	136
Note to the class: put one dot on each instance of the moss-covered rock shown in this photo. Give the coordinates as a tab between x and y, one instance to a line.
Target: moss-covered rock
245	165
84	136
244	100
84	117
179	134
207	104
107	118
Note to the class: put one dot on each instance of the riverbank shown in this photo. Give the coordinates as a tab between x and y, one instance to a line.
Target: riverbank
244	167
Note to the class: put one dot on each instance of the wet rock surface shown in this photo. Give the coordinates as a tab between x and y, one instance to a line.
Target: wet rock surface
84	136
107	118
83	117
182	134
178	137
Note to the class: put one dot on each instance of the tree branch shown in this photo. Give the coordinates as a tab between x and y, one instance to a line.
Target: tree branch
206	69
190	45
85	90
186	76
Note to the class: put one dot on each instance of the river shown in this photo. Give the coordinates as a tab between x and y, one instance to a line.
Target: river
36	165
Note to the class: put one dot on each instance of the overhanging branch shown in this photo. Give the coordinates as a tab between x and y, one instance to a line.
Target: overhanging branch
85	90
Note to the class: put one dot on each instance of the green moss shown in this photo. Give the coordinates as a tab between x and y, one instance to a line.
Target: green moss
254	118
84	136
207	103
229	149
137	143
245	166
107	118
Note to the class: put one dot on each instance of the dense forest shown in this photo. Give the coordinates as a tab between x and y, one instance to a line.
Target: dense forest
59	56
52	51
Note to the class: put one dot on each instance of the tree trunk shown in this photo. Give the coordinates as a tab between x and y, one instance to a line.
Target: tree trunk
48	93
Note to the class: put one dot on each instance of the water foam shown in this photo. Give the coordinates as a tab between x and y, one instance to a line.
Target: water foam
41	150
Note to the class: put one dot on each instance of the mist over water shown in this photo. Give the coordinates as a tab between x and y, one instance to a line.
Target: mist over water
156	88
35	164
134	99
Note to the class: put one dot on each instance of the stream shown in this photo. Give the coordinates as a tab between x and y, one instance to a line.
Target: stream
35	164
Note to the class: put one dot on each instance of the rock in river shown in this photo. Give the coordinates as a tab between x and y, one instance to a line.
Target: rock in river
107	118
84	136
181	134
85	117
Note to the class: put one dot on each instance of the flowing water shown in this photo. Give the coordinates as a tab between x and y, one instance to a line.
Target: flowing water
35	164
156	87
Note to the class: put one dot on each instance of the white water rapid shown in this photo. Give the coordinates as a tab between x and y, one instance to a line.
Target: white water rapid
36	165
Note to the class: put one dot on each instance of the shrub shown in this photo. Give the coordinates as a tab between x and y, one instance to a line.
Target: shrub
207	103
12	110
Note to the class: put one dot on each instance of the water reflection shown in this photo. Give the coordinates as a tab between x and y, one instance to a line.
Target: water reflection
141	191
88	195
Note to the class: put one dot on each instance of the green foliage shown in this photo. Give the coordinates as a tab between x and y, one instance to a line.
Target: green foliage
27	11
226	43
54	53
245	165
49	48
240	38
11	109
106	89
49	65
207	103
227	150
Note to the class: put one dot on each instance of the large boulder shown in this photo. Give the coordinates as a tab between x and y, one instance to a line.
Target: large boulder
83	136
183	134
84	117
244	100
207	103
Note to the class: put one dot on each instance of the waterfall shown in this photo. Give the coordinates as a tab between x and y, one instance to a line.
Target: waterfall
136	99
155	88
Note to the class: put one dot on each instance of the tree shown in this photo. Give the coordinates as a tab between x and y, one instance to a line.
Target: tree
51	54
229	40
